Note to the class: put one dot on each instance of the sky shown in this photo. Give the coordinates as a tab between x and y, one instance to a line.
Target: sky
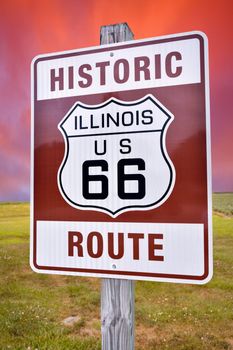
29	28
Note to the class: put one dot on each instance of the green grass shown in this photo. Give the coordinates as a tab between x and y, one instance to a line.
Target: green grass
168	316
223	203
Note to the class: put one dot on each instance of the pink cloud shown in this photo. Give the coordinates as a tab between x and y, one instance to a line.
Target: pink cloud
30	28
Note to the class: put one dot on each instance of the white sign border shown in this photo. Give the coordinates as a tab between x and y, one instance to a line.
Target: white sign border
208	156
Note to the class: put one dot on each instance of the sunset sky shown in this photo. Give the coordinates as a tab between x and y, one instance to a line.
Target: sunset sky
29	28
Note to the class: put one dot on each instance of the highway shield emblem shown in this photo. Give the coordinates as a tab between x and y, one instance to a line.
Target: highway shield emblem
115	156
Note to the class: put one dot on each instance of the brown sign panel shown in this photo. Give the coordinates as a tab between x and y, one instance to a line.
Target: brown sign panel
121	161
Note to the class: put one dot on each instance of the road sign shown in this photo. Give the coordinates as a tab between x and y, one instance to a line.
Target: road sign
121	161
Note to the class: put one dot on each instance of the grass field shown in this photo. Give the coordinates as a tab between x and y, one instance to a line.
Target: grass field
168	316
223	203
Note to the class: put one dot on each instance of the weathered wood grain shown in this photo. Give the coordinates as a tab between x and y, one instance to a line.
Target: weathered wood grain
115	33
117	296
117	314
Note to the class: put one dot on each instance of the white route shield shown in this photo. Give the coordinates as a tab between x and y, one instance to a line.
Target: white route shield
115	156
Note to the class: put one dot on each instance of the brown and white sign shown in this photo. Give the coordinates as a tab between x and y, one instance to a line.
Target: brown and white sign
121	161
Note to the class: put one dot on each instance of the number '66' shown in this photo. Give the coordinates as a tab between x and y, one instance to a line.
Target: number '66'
122	177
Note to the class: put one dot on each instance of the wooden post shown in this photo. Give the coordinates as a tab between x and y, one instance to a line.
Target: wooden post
115	33
117	314
117	295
